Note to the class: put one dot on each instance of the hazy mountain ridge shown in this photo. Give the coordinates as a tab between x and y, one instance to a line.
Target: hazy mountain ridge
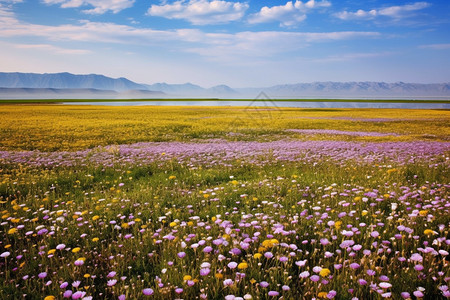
91	86
51	93
362	88
67	81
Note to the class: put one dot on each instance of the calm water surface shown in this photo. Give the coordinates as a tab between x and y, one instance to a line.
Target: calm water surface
272	104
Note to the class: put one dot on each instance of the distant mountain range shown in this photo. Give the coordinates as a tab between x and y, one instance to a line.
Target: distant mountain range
66	85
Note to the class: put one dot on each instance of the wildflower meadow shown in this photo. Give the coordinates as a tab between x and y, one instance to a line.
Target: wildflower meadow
102	202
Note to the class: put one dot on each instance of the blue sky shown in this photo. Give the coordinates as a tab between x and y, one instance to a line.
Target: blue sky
238	43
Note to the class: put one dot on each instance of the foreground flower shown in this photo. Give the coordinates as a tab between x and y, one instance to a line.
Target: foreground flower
147	292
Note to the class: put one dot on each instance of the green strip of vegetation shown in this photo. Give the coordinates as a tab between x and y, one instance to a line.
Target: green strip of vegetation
50	101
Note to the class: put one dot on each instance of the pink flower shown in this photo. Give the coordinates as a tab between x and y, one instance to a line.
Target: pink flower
147	292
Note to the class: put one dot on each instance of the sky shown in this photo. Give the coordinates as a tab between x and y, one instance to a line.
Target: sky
253	43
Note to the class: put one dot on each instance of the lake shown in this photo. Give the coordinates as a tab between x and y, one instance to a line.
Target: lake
268	103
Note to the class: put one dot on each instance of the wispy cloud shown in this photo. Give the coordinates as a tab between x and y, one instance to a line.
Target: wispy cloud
52	49
11	1
200	12
353	56
436	46
288	15
245	43
99	6
395	12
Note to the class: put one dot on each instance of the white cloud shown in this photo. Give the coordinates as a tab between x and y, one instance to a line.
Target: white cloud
396	12
100	6
217	46
200	12
289	14
436	46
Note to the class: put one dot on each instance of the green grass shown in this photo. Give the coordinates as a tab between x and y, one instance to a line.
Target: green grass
44	101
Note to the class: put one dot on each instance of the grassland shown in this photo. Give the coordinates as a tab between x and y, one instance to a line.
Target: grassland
223	203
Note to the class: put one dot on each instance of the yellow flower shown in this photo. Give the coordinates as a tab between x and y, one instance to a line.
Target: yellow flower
338	224
187	277
49	298
257	255
172	177
364	213
75	250
357	199
423	213
324	272
125	225
429	232
219	275
190	223
51	251
95	239
322	294
173	224
12	231
242	266
234	182
94	218
87	275
252	281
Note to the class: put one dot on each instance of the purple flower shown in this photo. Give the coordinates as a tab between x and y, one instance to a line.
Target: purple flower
235	251
60	246
354	266
67	294
207	249
418	294
228	282
111	282
283	259
416	257
232	265
42	275
304	274
64	285
273	293
418	267
331	294
147	292
405	295
314	278
178	290
122	297
268	255
181	254
111	274
264	284
204	271
362	282
285	288
374	234
78	295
